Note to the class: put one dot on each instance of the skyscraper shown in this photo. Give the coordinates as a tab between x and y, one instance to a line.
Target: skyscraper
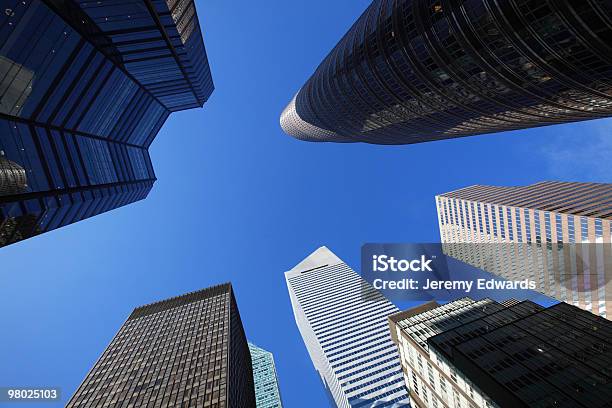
343	322
82	102
485	354
413	71
267	392
189	350
558	234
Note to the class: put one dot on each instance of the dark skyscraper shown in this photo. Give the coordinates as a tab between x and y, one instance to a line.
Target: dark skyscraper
186	351
411	71
514	354
343	322
84	88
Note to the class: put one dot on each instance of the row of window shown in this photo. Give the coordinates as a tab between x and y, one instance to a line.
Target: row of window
55	160
507	226
62	80
403	73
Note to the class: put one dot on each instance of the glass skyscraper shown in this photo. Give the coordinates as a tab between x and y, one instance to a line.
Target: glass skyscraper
186	351
412	71
487	354
343	322
267	392
558	234
85	87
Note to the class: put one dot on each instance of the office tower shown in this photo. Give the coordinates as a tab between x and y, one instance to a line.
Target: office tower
414	71
85	87
267	392
343	322
557	234
189	350
482	353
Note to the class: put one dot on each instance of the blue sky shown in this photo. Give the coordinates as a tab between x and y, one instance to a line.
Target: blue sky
237	200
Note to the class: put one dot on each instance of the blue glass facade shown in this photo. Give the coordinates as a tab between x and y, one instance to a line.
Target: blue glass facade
267	392
81	104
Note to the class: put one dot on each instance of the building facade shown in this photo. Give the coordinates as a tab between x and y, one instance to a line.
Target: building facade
267	392
413	71
12	177
476	354
343	322
189	350
80	106
558	234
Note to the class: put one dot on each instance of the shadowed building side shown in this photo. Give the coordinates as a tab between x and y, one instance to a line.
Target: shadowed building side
469	353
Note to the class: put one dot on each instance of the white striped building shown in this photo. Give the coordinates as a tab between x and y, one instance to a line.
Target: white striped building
343	322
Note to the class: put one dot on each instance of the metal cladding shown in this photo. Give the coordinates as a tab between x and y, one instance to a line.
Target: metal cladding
481	353
12	177
293	124
415	71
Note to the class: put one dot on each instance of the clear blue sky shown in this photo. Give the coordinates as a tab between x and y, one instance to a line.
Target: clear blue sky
237	200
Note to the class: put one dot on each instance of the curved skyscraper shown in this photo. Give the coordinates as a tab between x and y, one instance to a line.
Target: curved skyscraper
85	87
411	71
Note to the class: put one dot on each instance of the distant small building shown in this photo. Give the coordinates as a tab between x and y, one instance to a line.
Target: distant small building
267	391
